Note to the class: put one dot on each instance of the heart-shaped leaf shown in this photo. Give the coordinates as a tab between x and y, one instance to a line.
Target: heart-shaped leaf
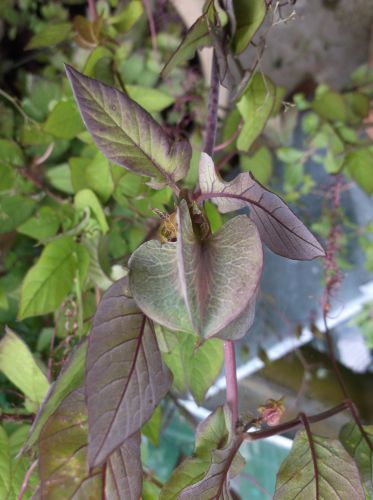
126	133
333	470
279	227
125	375
200	286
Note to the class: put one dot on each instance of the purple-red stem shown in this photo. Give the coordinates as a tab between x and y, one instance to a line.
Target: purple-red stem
92	10
231	378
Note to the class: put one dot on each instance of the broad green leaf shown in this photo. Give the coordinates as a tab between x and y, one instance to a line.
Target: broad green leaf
330	105
7	176
255	107
70	379
52	35
93	173
63	467
124	471
128	16
352	439
19	366
60	178
198	36
249	16
278	226
126	133
64	121
152	428
337	474
97	271
49	281
358	107
12	469
125	375
201	287
87	198
216	460
152	100
194	366
360	166
260	164
11	153
14	209
42	225
231	124
213	215
94	57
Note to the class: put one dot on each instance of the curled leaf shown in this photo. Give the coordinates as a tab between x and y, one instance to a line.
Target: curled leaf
126	133
125	375
279	227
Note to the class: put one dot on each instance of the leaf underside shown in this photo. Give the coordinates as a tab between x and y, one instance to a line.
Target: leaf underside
126	133
337	475
125	375
279	227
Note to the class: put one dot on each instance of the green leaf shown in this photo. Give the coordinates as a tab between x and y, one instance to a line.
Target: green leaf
93	173
12	469
97	270
152	100
128	16
60	178
152	428
63	466
330	105
127	134
337	475
52	35
198	36
87	198
70	378
14	210
249	16
19	366
64	121
360	166
358	448
214	216
49	281
255	107
260	164
11	153
41	226
194	366
185	289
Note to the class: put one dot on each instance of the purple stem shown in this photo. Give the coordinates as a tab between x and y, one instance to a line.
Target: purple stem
231	379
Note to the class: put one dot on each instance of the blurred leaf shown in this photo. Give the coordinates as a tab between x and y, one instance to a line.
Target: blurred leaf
121	395
128	16
152	100
93	173
360	166
249	16
338	476
97	271
18	365
260	164
358	107
52	35
213	216
255	107
94	57
11	153
49	281
137	142
64	121
194	367
330	105
230	127
152	427
60	178
70	378
14	210
358	448
87	198
87	33
41	226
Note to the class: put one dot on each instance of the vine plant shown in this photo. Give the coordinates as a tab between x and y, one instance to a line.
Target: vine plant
190	281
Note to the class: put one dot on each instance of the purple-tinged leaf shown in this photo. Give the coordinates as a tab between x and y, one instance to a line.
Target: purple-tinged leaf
125	375
124	471
63	467
330	473
215	461
279	227
207	287
126	133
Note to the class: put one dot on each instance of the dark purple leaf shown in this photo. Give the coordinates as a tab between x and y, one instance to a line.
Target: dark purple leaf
126	133
125	375
124	471
279	227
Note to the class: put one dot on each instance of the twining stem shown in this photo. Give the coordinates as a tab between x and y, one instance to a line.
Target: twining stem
92	10
208	147
231	378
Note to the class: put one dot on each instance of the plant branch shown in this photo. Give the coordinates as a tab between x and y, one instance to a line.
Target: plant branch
231	378
153	32
26	479
212	108
92	10
307	427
